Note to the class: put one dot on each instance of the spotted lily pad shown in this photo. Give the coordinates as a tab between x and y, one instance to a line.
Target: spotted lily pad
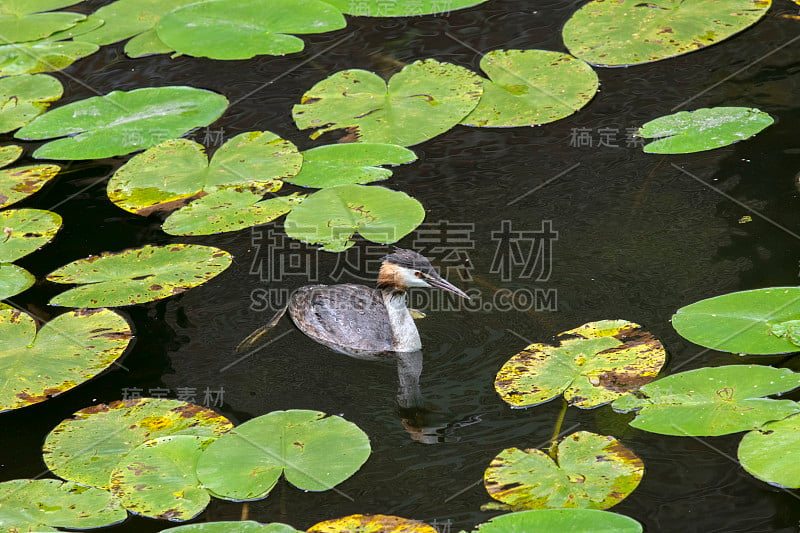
591	365
24	231
313	450
340	164
530	87
421	101
122	121
177	171
401	8
591	471
68	350
86	447
20	182
561	520
241	29
770	452
628	32
157	479
41	56
22	98
24	20
49	502
14	280
9	154
712	401
245	526
138	275
359	523
332	216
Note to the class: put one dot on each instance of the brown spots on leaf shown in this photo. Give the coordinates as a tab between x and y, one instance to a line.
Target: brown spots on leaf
188	410
622	382
351	135
171	514
172	205
139	468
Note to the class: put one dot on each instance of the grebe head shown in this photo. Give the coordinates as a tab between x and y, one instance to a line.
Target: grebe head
406	268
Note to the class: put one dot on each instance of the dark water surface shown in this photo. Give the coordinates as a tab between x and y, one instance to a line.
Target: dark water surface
638	238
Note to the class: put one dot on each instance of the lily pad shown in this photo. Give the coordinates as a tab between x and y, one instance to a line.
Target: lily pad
241	29
82	27
359	523
228	210
24	231
9	154
340	164
146	43
741	322
122	121
51	502
712	401
14	280
332	216
530	87
68	350
127	18
770	452
591	365
590	471
401	8
629	32
177	171
157	479
313	450
22	98
24	20
561	520
41	56
86	447
138	275
245	526
20	182
421	101
703	129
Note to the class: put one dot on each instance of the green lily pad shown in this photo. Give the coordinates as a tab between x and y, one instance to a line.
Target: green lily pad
82	27
246	526
358	523
157	478
241	29
789	329
228	210
24	231
20	182
41	56
51	502
24	20
145	44
712	401
22	98
68	350
340	164
421	101
177	171
401	8
332	216
703	129
770	452
9	154
592	365
741	322
530	87
561	520
128	18
313	450
122	121
591	471
629	32
14	280
86	447
138	275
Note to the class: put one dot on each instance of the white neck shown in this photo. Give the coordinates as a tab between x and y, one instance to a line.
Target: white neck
404	331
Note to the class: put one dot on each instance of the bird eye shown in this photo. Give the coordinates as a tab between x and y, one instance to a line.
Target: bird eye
419	274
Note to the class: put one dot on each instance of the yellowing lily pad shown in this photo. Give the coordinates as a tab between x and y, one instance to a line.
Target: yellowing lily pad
377	523
9	154
23	98
20	182
591	365
770	452
24	231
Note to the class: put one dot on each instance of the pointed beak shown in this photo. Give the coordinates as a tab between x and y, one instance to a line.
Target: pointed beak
435	280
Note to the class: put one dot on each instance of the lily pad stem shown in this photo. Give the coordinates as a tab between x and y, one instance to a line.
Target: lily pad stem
552	448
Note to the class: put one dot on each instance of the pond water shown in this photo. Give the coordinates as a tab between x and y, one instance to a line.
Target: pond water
639	236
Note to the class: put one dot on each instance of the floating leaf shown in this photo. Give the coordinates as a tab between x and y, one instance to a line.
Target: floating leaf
789	329
41	56
561	520
770	452
227	210
246	526
313	450
177	171
68	350
24	231
741	322
122	121
14	280
24	20
86	447
82	27
401	8
50	502
359	523
241	29
146	43
421	101
592	365
628	32
530	87
591	471
9	154
20	182
22	98
332	216
127	18
340	164
157	479
703	129
712	401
